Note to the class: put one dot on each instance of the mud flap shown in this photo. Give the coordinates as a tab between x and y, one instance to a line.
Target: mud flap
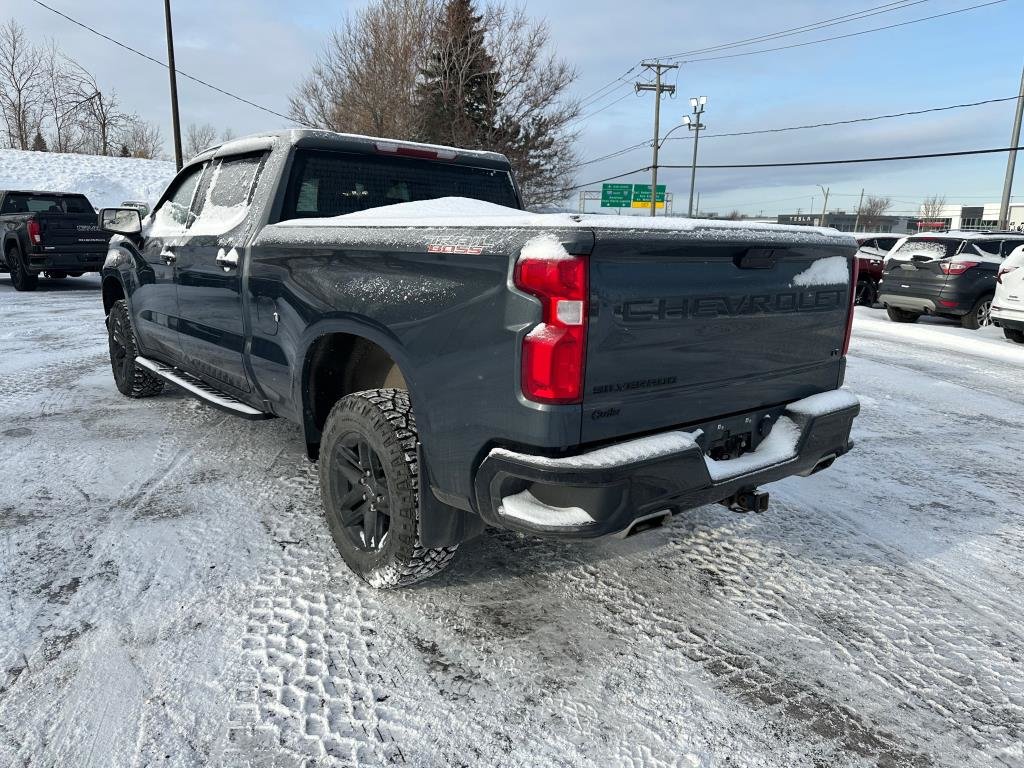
442	525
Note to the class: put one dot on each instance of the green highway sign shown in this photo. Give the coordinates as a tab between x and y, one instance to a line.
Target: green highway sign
642	196
619	195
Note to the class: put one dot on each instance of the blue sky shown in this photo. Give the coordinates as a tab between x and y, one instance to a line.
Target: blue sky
261	48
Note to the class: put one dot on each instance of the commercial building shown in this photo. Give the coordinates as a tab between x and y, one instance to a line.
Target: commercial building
959	217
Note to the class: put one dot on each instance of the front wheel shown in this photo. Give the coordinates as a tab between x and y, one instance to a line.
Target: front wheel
1014	335
902	315
20	276
369	483
132	379
978	317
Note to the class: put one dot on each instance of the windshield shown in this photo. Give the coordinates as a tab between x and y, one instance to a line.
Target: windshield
29	203
335	183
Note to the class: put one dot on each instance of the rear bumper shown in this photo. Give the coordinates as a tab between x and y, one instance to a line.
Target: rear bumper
1007	318
66	262
605	491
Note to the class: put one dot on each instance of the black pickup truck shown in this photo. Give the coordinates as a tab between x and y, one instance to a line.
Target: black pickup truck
456	362
49	232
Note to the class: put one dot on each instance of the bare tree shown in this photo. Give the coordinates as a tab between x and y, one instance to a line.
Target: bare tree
142	139
100	118
364	80
198	138
871	211
226	135
62	88
22	74
932	208
535	117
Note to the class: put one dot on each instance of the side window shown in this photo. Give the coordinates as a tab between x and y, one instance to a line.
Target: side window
1010	245
989	248
224	197
172	214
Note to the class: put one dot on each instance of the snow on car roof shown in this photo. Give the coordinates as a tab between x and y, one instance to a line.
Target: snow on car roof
465	212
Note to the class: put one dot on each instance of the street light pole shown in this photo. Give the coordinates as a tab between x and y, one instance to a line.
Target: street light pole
1011	160
175	124
824	208
694	125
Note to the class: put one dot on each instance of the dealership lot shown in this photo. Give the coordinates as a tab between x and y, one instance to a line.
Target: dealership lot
173	596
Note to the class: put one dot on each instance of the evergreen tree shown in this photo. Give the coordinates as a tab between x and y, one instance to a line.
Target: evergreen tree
457	97
39	143
125	152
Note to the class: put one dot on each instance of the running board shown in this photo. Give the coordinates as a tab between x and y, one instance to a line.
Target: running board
203	391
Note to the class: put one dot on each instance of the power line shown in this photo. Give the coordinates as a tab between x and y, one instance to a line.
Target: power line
830	22
809	125
891	158
163	64
843	37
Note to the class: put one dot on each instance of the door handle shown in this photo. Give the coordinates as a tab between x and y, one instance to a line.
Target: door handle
168	255
228	260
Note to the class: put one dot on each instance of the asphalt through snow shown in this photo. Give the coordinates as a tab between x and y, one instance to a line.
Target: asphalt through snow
169	594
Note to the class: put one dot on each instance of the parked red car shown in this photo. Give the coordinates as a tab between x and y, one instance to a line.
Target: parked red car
871	261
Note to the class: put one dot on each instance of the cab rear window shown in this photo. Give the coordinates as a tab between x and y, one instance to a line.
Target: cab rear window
335	183
29	203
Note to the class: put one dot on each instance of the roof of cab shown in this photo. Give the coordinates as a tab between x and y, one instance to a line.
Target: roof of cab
311	138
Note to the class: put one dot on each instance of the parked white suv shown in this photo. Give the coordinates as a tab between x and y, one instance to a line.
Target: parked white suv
1008	303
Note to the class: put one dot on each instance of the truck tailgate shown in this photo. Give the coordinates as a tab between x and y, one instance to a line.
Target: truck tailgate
683	330
71	233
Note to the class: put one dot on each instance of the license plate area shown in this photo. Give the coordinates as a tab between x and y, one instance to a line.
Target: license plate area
732	436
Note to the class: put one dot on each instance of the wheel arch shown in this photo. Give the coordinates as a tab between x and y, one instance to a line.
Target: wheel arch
327	348
112	290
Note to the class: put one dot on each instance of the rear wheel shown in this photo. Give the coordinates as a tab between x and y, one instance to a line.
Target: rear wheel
369	483
902	315
867	293
978	317
1014	335
20	277
132	379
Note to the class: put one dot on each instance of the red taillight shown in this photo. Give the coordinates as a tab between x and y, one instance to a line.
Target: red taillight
854	274
554	351
956	267
33	231
948	304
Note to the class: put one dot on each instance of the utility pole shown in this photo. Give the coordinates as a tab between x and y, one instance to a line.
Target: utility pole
824	208
856	224
658	89
175	124
1011	160
695	125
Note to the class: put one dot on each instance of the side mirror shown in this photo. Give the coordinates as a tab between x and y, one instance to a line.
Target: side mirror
120	221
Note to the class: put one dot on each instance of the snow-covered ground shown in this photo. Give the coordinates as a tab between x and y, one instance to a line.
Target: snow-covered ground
106	181
169	594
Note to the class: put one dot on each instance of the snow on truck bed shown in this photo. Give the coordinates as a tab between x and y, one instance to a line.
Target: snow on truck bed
106	181
465	212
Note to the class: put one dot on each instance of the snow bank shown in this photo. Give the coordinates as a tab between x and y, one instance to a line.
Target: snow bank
106	181
831	271
528	508
464	212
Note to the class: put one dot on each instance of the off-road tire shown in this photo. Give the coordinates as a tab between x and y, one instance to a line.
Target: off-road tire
902	315
978	317
131	379
1014	335
20	277
384	419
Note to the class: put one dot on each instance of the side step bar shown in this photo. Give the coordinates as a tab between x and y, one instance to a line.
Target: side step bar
203	391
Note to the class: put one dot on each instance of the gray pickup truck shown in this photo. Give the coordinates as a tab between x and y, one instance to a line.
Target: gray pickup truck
51	233
455	361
